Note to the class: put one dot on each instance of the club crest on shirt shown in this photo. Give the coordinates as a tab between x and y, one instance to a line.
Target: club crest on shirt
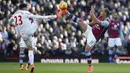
115	27
97	26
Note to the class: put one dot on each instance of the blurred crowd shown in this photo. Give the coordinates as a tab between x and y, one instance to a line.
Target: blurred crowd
61	37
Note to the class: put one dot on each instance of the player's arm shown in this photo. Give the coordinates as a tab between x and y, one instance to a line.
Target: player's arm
93	17
92	23
44	17
39	18
121	31
104	23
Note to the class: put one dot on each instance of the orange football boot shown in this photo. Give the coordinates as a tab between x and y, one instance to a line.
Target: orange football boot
90	69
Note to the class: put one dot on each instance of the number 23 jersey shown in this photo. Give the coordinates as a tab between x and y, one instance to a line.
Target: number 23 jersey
25	24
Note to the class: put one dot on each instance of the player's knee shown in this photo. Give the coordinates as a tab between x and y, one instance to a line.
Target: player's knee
82	25
88	48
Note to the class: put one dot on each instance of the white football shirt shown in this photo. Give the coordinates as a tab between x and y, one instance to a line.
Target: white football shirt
24	22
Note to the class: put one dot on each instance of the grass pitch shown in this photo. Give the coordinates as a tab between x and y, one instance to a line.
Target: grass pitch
66	68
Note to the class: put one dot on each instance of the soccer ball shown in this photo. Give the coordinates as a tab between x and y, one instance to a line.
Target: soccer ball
63	5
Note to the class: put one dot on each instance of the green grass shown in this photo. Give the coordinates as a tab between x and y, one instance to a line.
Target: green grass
66	68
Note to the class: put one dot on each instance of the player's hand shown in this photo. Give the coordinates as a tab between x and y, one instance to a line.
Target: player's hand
92	10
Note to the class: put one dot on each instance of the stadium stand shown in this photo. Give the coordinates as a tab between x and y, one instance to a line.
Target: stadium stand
58	37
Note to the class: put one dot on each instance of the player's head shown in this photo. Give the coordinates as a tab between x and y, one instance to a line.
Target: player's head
115	16
105	12
23	6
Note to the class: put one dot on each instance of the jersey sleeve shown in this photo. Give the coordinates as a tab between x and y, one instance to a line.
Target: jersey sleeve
121	30
12	21
43	17
105	23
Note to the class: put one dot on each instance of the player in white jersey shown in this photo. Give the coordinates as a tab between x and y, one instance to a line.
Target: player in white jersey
26	24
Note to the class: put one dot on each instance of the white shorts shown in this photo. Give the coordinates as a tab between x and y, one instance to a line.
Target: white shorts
114	41
91	40
28	42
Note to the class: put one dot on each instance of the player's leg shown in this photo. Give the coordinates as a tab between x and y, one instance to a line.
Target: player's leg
27	65
90	43
111	44
21	57
31	59
89	58
76	19
86	28
31	45
21	53
118	44
111	54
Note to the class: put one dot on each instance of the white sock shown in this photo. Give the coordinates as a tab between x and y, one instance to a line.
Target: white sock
31	57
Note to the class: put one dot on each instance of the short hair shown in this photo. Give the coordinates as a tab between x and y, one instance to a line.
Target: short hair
22	6
107	11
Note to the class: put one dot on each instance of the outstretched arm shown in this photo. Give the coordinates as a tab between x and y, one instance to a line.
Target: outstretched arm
93	16
95	20
104	23
44	17
92	23
48	17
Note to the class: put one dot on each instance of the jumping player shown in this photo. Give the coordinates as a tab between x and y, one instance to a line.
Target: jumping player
114	37
26	24
94	33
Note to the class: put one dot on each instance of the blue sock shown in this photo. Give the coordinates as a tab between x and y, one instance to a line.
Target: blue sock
86	53
110	56
21	56
89	57
117	53
89	61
